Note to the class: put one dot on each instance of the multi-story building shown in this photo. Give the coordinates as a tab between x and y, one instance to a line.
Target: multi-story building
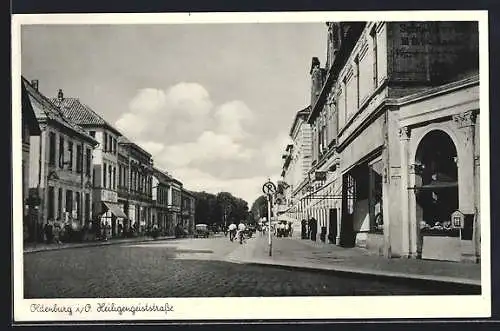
296	166
137	165
160	202
395	138
106	210
60	164
175	203
124	184
30	128
188	209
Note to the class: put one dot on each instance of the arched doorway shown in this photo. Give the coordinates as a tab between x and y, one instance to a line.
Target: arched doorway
437	183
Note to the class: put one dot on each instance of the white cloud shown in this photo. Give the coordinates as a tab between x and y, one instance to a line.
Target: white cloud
186	138
152	147
178	112
132	125
148	100
231	117
209	146
188	98
272	151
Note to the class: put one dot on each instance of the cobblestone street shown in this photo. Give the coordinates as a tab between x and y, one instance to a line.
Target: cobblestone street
184	268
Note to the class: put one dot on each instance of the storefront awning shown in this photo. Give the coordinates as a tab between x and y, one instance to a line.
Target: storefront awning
114	209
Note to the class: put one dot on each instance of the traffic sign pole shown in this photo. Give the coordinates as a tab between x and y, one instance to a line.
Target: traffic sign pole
269	189
270	242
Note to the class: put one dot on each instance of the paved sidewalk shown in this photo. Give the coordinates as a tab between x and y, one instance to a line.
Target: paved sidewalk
297	253
40	247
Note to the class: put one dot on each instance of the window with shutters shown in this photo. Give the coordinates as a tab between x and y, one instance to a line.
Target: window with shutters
114	178
104	175
50	203
60	203
373	35
69	201
61	152
88	161
78	205
341	106
79	159
52	148
87	207
365	74
351	94
70	155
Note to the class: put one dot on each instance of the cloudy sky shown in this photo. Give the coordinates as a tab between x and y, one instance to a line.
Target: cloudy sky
213	103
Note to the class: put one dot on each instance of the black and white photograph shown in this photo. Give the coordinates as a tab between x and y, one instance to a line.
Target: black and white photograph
250	166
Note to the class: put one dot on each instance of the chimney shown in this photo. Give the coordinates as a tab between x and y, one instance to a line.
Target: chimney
60	95
34	83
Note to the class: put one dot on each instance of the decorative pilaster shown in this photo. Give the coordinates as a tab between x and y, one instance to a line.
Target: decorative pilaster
404	136
465	123
414	170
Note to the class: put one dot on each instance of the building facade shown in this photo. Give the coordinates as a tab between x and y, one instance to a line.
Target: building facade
296	166
138	202
60	166
380	104
188	211
160	202
106	210
175	204
29	128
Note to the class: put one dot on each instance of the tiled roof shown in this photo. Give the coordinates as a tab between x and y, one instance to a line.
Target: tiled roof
45	109
80	113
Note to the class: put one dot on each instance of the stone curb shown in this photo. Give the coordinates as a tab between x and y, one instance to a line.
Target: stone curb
93	244
362	272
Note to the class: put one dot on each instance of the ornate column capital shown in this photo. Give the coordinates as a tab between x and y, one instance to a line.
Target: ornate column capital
404	133
465	119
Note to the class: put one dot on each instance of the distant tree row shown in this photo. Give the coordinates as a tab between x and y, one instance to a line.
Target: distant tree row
220	208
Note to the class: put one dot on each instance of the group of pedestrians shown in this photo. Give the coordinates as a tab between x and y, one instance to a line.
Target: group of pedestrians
237	232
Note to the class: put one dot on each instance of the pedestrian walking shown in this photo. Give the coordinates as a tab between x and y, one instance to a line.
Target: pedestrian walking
232	231
241	232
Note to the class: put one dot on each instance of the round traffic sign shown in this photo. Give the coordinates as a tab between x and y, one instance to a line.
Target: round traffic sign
269	188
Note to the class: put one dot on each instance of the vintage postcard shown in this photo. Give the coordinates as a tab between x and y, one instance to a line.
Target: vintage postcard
250	166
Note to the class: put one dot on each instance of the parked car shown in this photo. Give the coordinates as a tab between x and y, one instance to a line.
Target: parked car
201	231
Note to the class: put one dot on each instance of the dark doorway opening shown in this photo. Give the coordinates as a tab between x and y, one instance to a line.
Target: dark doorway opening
437	183
332	235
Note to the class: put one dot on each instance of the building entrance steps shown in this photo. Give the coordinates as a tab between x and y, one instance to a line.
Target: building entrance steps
305	254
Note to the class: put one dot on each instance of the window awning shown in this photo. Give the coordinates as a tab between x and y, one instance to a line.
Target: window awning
114	209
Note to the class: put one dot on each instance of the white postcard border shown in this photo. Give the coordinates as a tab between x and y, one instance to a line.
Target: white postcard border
251	308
